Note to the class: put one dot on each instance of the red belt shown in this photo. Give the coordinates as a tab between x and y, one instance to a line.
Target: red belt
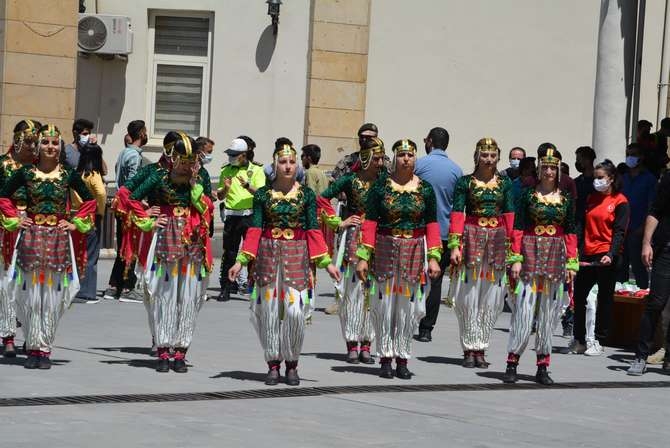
402	233
544	230
277	233
484	221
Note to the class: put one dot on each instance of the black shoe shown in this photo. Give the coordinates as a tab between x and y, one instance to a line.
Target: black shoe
543	377
272	379
163	365
424	335
480	361
386	371
44	363
469	360
292	378
224	295
352	357
402	372
179	366
32	362
365	357
510	375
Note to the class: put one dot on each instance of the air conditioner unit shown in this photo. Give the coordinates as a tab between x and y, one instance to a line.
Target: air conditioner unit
105	34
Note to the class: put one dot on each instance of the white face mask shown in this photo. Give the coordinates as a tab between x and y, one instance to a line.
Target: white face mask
234	160
632	161
514	163
206	158
83	140
600	185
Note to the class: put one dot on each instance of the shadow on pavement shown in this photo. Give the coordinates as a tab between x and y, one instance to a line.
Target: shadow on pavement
440	360
20	360
241	375
142	363
331	356
499	375
132	350
356	369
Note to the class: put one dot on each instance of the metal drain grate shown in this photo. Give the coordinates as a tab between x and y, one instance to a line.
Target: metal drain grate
316	391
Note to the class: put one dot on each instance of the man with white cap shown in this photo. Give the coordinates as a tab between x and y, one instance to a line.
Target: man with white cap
238	182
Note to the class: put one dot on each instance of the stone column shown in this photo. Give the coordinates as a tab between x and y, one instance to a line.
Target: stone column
337	76
38	65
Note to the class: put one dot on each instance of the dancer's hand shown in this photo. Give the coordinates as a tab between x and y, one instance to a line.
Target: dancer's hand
362	270
456	256
234	271
570	276
516	270
154	211
25	222
353	220
605	260
333	272
647	255
160	222
433	268
66	225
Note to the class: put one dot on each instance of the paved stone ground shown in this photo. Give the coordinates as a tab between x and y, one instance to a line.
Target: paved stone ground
103	349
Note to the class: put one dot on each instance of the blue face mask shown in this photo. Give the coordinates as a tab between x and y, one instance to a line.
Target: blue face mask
514	163
83	139
206	158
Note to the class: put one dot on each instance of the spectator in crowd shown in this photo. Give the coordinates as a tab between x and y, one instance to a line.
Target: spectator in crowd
82	132
639	187
122	284
441	173
238	181
584	158
607	214
656	256
527	178
516	154
90	169
315	178
657	158
207	148
644	138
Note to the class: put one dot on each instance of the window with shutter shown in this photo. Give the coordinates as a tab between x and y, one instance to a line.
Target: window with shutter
181	46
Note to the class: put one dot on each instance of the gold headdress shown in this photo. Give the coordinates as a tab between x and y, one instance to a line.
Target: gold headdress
48	130
179	138
404	145
372	147
284	150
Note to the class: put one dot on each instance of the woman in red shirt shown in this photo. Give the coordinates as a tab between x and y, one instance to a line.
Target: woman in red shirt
607	214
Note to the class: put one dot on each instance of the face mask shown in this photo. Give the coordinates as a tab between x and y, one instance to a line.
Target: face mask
600	185
514	163
83	140
234	160
206	158
632	161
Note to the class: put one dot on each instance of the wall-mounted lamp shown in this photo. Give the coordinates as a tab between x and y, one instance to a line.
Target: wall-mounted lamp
273	11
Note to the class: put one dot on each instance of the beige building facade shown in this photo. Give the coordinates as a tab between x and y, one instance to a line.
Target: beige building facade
521	71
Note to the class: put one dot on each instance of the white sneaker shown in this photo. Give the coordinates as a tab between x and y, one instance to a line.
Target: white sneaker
593	349
576	347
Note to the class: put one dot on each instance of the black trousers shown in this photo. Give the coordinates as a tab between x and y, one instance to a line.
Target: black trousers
631	257
116	279
435	295
234	229
587	278
656	301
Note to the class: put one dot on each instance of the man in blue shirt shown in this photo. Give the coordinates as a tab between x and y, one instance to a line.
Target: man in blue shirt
442	173
639	187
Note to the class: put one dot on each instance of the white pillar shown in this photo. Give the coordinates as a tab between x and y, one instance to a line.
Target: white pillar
609	107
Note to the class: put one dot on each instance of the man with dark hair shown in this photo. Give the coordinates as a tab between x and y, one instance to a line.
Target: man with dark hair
657	159
127	165
206	144
81	131
238	181
442	173
315	178
516	154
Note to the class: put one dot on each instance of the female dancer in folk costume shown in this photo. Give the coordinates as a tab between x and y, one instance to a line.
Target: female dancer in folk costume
544	253
482	219
174	265
283	239
354	312
43	272
22	152
399	233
